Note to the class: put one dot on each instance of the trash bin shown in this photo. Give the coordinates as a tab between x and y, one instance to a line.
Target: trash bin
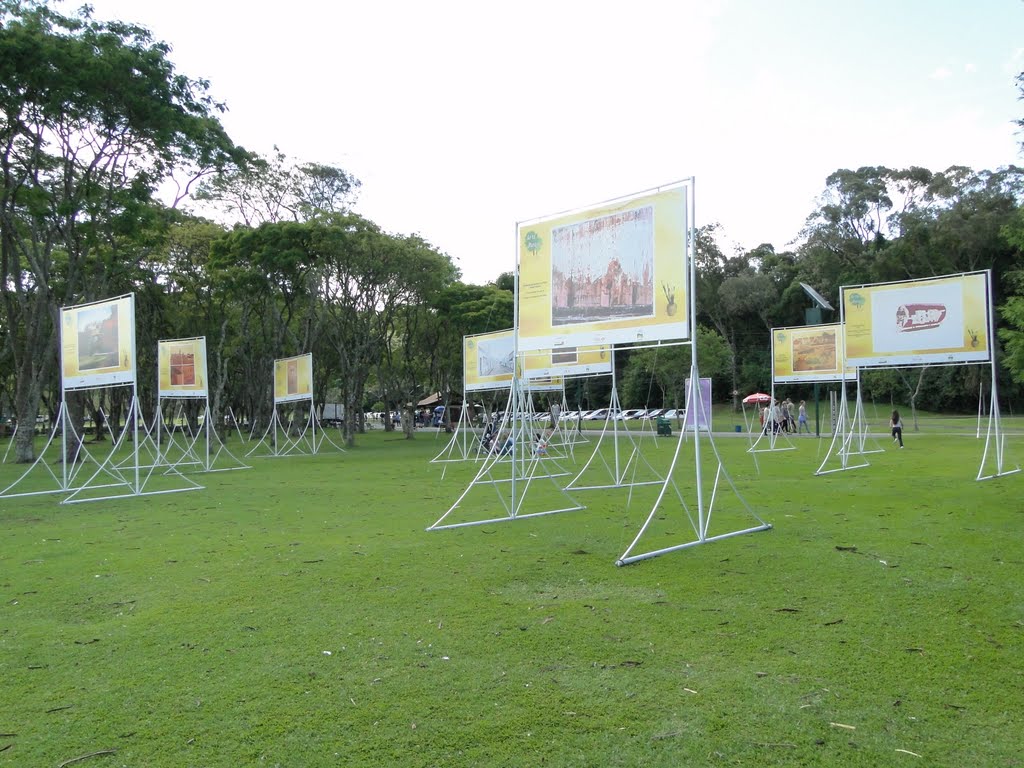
738	428
664	427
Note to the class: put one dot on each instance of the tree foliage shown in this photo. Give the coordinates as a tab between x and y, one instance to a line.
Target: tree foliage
94	117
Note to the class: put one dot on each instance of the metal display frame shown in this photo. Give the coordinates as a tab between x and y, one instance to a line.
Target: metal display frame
523	462
850	428
277	440
127	474
703	512
187	454
619	473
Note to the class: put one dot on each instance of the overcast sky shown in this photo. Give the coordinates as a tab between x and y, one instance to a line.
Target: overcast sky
461	118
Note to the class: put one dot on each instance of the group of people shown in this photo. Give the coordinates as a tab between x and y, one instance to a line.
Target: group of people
778	417
784	416
494	440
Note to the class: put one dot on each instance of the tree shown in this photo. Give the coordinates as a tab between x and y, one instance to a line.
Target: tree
667	368
713	269
411	330
278	189
464	310
1012	311
1020	122
94	118
506	281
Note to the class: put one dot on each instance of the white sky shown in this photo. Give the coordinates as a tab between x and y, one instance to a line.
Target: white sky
462	117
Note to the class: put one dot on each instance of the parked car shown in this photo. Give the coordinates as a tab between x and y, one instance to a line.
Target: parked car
630	413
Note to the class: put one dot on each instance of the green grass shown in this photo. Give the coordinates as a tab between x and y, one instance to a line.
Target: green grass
191	629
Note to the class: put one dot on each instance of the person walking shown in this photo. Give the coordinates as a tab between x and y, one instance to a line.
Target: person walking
896	424
791	413
802	418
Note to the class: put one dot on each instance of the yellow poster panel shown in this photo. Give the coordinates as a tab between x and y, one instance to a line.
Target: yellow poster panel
568	361
181	366
915	322
487	360
545	384
809	353
610	274
293	378
97	343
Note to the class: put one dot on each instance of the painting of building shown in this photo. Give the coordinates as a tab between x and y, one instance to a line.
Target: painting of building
293	377
183	366
815	353
98	337
495	357
603	268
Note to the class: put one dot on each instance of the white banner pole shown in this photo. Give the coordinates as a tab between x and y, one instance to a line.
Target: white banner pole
691	304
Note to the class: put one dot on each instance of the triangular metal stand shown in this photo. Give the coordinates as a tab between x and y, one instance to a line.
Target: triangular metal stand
845	442
14	434
129	474
516	480
862	441
623	470
40	478
725	507
464	444
772	436
245	435
294	437
993	460
565	434
201	449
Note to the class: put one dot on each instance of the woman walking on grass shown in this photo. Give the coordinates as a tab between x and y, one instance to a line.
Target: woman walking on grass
897	428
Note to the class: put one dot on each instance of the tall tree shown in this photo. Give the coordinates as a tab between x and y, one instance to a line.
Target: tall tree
464	310
94	117
277	189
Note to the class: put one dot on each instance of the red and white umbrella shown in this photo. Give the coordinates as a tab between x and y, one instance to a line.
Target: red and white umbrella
757	397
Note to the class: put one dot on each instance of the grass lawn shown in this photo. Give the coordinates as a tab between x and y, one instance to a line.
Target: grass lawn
297	614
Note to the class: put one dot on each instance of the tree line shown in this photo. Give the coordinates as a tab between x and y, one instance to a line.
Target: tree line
97	125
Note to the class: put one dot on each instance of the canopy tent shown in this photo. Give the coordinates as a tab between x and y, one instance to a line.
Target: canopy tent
434	399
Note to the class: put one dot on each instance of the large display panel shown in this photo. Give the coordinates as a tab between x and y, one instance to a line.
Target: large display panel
97	343
182	367
917	322
293	378
609	274
545	384
568	361
488	360
809	353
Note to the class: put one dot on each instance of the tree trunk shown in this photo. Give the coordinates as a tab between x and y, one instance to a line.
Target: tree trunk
74	419
350	409
26	406
409	421
97	419
36	357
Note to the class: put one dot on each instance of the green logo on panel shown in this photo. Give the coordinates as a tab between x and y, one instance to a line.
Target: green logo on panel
857	300
533	242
